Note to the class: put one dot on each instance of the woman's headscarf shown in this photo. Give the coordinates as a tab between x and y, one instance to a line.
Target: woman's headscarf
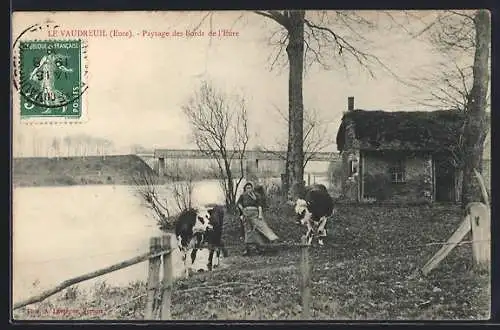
249	193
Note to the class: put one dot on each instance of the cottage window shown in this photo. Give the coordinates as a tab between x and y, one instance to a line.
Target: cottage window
397	171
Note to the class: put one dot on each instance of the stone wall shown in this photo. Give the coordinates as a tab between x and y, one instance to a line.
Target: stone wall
378	185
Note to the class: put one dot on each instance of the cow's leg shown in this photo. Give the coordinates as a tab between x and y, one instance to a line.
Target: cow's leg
242	228
218	251
184	260
193	255
309	234
222	248
310	237
210	258
322	229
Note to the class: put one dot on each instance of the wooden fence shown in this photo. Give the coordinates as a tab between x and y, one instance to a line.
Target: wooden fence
160	248
159	291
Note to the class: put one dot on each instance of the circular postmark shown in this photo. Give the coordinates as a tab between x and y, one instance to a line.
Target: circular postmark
49	75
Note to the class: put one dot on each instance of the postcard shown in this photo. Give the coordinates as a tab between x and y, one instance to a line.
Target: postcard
251	165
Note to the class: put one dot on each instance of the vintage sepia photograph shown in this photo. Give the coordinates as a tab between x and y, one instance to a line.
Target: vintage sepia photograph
251	165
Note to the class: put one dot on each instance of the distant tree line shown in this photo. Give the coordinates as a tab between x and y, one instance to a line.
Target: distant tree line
79	145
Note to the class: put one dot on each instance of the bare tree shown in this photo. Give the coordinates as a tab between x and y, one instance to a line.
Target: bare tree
183	194
317	136
327	38
464	38
107	146
183	185
98	146
146	184
447	83
68	141
86	142
219	125
56	147
475	125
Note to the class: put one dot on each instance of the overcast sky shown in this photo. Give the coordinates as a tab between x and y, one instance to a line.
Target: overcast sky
138	85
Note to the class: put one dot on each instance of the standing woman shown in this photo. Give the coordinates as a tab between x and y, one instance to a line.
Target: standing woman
257	232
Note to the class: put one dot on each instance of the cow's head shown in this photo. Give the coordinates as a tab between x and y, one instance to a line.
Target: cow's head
202	223
302	210
211	216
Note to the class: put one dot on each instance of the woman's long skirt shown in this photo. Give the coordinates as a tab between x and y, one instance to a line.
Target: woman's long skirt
256	230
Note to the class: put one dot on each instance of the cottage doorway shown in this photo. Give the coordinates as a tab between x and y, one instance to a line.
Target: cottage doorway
444	181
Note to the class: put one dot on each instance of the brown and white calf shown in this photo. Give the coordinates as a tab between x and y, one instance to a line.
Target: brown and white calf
313	211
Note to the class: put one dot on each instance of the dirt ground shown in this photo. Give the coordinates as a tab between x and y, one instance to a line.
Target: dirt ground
366	271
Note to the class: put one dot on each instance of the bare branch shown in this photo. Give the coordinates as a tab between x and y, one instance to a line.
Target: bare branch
281	19
448	83
326	37
219	125
145	182
316	136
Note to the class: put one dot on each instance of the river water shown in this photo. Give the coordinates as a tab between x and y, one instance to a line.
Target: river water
63	232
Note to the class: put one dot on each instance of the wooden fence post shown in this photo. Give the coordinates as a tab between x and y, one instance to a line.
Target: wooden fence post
85	277
453	241
305	279
153	279
168	277
480	217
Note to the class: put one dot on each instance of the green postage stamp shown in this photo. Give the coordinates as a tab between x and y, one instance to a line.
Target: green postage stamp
51	79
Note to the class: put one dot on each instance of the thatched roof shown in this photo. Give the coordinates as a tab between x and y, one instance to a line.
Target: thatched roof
403	130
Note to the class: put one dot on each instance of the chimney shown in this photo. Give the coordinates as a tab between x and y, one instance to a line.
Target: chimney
350	103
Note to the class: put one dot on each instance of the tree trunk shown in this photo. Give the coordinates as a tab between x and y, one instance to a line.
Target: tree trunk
295	154
475	125
230	198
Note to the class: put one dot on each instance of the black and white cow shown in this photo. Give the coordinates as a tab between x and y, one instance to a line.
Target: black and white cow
194	227
313	211
213	236
190	227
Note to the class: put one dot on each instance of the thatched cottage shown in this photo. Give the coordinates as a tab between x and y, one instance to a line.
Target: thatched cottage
399	156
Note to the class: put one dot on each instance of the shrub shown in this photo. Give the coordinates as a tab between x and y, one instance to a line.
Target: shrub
377	186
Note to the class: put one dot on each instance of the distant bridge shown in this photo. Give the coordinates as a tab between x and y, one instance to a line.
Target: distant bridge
256	161
249	155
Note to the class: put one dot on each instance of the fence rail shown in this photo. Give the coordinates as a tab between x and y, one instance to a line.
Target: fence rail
152	255
159	291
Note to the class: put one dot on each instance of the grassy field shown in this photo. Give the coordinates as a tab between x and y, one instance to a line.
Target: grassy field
69	171
366	271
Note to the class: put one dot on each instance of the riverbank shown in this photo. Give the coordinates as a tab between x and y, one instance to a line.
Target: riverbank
365	271
89	170
69	171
